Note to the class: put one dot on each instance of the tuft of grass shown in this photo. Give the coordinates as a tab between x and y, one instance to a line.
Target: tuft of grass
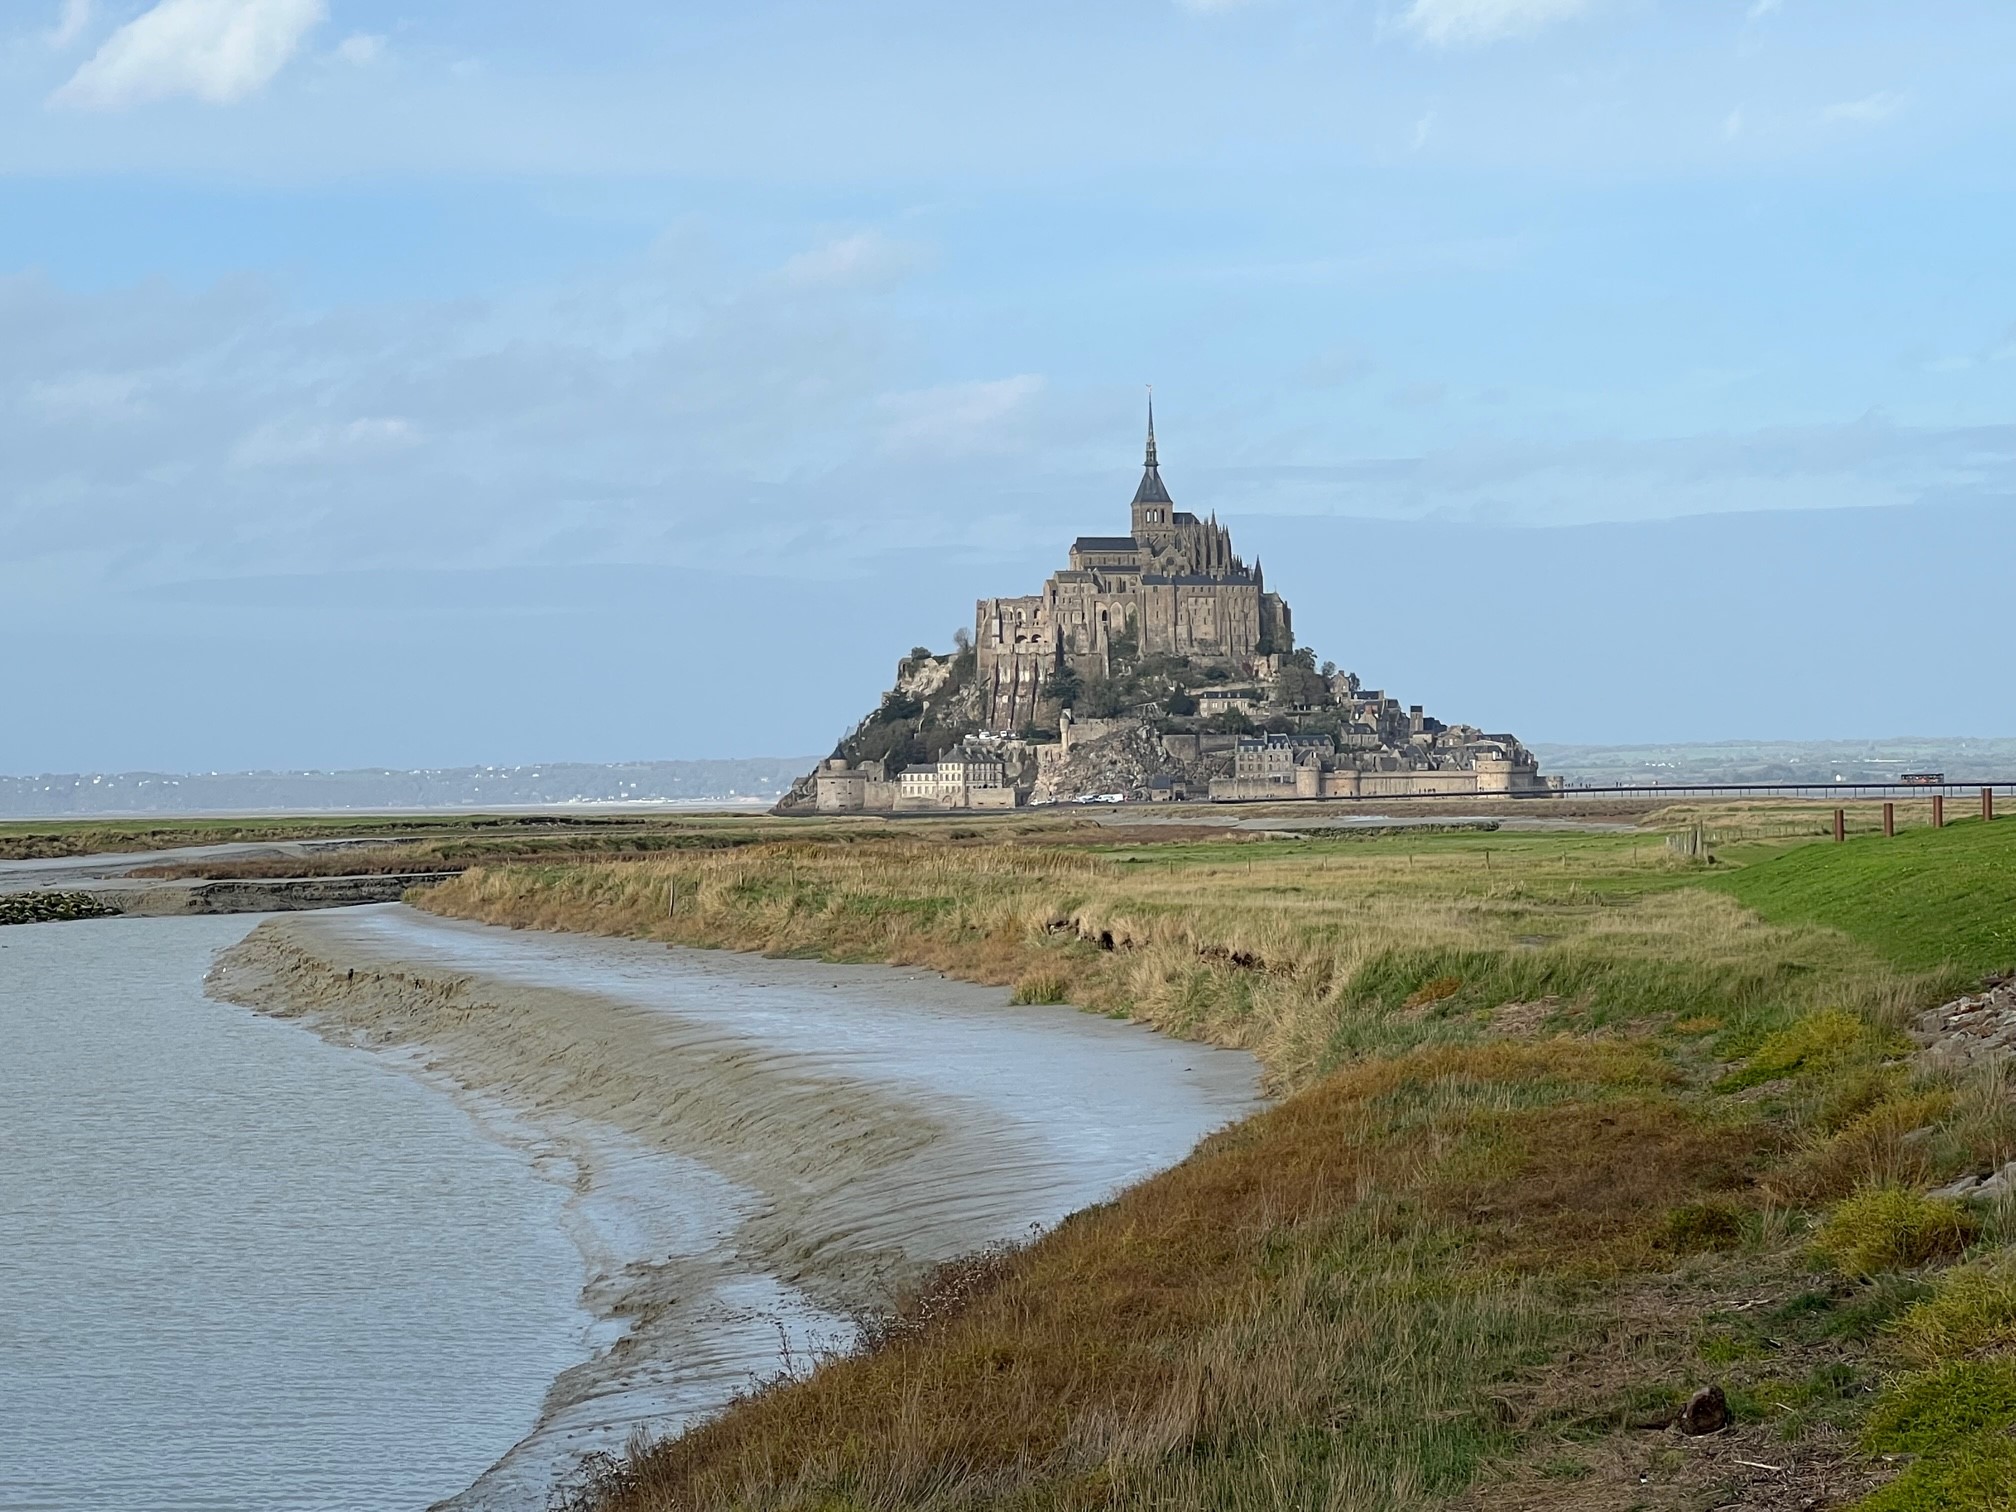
1978	1474
1041	987
1891	1228
1861	1316
1716	1224
1819	1042
1881	1145
1933	1410
1974	1309
1429	993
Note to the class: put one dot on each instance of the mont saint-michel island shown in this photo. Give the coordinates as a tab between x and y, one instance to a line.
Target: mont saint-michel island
1155	666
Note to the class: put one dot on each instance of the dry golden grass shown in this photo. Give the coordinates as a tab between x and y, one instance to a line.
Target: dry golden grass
1175	1346
1292	951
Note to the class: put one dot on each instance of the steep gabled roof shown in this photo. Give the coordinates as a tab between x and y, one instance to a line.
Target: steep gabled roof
1151	490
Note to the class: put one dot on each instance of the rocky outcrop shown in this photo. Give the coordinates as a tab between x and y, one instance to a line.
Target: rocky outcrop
51	907
1124	761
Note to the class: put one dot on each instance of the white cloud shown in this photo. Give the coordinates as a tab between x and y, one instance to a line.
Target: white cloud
362	49
1732	124
288	443
959	419
71	23
1759	9
865	259
88	396
219	51
1423	129
1866	111
1454	23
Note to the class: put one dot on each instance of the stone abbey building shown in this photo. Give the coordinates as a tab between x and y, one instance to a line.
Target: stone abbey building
1172	586
1155	666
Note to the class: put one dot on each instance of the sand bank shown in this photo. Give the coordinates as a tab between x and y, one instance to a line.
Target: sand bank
758	1149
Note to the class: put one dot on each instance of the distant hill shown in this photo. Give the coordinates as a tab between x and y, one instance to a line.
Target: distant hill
757	779
1962	759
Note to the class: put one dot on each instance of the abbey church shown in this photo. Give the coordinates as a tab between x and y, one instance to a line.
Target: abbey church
1173	586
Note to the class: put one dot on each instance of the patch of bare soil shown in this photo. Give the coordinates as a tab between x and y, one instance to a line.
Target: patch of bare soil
1523	1020
1747	1468
1603	1427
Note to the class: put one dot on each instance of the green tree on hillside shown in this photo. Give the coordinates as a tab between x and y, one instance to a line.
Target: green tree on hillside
1102	698
1299	686
1063	687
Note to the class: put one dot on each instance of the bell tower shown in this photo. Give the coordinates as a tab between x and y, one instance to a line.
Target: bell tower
1154	511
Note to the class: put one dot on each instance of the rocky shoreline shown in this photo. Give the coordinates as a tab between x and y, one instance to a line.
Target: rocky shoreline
52	907
179	897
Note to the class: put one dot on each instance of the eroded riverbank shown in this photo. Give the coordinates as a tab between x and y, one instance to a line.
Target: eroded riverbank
761	1147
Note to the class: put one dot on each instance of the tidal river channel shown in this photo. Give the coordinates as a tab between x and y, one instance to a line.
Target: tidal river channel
367	1235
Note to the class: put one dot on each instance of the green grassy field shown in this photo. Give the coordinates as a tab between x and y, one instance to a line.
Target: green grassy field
1925	900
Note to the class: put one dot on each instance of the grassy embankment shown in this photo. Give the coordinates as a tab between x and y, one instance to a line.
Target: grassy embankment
1566	1135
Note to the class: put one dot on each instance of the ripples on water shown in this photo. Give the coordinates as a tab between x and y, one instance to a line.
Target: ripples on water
241	1268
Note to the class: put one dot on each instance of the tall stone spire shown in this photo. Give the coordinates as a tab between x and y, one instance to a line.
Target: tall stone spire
1151	490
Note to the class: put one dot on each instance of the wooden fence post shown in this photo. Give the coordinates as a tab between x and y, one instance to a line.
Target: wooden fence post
1988	803
1840	825
1889	819
1938	811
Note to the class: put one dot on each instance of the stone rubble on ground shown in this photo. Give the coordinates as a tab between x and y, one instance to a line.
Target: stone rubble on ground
1984	1188
1972	1031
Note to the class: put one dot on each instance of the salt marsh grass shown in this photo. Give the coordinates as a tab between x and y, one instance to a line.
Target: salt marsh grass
1524	1078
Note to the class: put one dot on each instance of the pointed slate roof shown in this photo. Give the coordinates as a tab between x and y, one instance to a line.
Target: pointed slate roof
1151	490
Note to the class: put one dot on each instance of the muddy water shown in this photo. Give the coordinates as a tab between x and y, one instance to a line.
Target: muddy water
516	1190
241	1267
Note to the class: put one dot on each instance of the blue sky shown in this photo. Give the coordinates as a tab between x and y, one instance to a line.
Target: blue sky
389	383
